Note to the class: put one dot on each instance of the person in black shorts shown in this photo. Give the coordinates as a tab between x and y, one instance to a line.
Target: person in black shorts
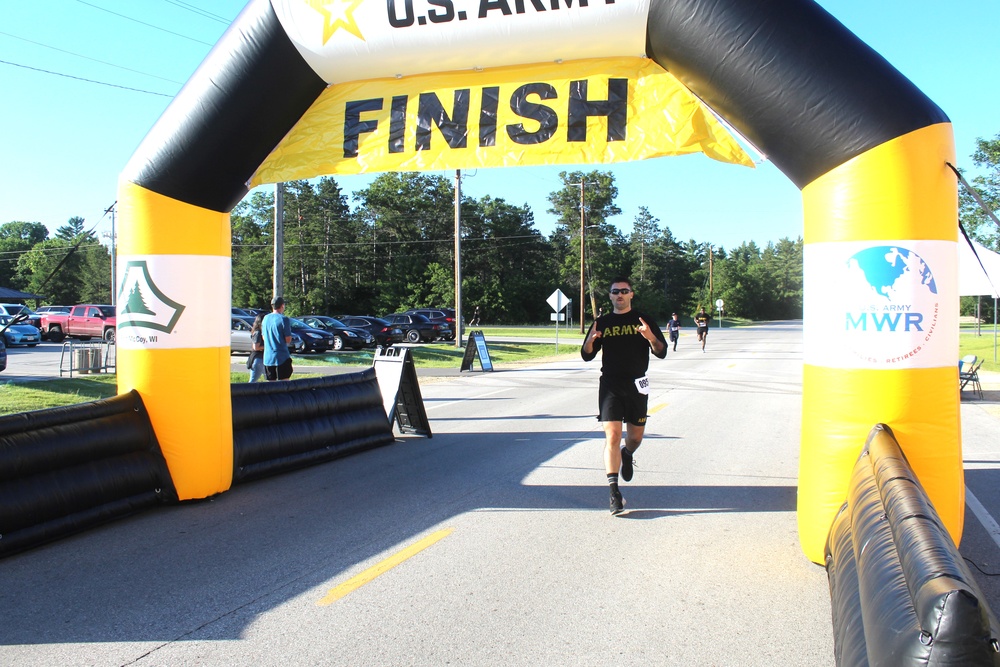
674	329
625	338
701	319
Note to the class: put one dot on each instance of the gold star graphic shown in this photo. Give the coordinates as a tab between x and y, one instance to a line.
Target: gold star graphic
337	14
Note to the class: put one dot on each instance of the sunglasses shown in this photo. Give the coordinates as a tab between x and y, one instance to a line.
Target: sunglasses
623	290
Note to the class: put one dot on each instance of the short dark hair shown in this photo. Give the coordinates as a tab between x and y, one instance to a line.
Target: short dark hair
277	302
621	280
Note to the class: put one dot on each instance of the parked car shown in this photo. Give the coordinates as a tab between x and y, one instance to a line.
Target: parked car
12	309
444	316
84	321
19	333
316	340
343	335
385	334
251	312
417	328
239	337
61	310
3	355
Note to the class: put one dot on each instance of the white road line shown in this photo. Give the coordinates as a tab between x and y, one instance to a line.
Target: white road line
984	517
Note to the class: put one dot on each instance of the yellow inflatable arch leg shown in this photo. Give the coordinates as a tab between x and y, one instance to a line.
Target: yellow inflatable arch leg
877	360
176	258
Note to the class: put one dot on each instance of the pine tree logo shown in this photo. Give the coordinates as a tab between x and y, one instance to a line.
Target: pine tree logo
135	304
145	306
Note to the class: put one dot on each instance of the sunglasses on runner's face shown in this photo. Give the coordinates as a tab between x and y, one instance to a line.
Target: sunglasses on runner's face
623	290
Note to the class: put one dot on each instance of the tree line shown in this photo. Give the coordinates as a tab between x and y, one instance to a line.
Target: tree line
392	247
979	223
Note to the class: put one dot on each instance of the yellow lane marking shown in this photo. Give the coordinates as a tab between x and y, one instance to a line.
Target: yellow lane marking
657	408
360	580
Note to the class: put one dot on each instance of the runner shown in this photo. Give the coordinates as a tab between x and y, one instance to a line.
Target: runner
626	338
674	329
701	321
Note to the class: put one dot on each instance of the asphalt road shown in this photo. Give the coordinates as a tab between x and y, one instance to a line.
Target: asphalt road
490	543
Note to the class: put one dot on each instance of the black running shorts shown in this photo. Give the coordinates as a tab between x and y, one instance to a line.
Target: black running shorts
281	372
619	400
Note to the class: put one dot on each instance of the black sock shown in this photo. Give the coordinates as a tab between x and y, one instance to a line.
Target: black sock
613	481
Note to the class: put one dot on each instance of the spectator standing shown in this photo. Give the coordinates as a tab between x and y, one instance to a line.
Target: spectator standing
256	361
277	331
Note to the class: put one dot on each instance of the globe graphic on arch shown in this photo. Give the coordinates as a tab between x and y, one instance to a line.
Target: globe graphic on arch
892	271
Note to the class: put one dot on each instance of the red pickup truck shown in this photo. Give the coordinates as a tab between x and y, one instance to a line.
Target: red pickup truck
85	321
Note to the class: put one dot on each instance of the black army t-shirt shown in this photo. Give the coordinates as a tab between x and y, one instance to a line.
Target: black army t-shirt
626	352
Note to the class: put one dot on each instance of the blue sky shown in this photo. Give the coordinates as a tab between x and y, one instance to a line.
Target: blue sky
65	140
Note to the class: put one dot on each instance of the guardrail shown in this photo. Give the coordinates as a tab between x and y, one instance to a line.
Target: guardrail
86	357
901	593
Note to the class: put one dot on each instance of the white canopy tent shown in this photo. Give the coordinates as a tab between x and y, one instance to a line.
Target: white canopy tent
979	274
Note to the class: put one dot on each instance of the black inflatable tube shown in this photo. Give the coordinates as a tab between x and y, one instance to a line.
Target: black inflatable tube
849	645
250	90
902	594
281	426
63	470
790	77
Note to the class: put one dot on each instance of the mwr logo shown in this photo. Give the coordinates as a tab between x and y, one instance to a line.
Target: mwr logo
891	304
141	303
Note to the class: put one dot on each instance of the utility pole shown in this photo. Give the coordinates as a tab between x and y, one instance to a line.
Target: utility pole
458	258
711	292
279	239
582	302
114	276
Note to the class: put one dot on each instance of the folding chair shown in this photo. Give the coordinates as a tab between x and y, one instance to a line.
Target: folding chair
968	360
972	377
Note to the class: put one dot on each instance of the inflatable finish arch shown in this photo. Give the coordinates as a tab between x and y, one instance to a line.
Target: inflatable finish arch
867	148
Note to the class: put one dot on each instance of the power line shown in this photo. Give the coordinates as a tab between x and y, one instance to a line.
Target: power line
80	78
148	25
80	55
199	10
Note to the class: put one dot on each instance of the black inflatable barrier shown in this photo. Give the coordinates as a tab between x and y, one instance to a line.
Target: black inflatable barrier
280	426
63	470
901	593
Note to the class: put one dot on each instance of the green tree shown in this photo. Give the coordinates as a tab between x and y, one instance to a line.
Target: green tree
252	225
605	251
507	265
987	184
661	272
71	267
16	238
979	225
409	220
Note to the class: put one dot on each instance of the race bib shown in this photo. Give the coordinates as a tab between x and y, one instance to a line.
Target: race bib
642	384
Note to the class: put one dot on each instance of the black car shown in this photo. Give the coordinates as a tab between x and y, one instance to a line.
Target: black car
343	335
443	316
316	340
417	328
385	334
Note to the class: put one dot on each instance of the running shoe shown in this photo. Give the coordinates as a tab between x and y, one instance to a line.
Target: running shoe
627	468
617	503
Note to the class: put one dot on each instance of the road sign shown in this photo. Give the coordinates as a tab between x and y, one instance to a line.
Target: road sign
557	300
719	304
